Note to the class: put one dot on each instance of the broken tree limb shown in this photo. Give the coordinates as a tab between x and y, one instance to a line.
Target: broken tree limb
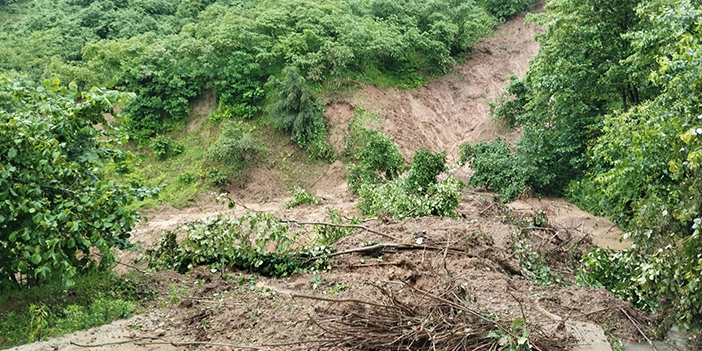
392	246
319	298
334	225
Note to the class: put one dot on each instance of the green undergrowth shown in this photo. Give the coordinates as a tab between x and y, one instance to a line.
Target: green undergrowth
40	313
182	176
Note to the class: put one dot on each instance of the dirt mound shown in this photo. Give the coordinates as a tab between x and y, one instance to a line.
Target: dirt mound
452	109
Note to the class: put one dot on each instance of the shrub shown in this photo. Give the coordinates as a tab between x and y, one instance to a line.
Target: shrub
236	148
216	176
379	160
495	166
164	147
618	272
510	107
321	149
185	178
328	235
255	242
426	167
301	197
394	199
503	9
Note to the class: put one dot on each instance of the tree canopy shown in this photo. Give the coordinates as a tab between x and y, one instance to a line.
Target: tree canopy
56	205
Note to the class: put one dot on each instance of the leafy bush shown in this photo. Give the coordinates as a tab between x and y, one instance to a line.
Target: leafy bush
223	241
321	149
495	166
236	149
378	160
301	197
424	170
503	9
618	272
328	235
255	242
510	107
164	147
56	205
395	199
216	176
185	178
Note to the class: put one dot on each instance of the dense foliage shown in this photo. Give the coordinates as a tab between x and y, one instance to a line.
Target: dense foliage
168	52
610	110
495	166
379	160
56	206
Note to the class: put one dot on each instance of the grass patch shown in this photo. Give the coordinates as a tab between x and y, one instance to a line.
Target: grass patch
52	310
181	177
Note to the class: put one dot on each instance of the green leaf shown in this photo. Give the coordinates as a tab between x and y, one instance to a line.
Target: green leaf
36	258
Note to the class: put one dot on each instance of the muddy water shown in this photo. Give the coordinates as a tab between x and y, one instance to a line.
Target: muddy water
562	214
676	340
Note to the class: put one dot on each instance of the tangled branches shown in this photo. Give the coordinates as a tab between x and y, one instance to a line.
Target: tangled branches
420	320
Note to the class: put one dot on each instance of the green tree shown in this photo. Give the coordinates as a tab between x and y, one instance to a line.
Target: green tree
55	203
646	167
295	109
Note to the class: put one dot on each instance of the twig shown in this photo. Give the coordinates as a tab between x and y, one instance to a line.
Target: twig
379	264
356	226
124	264
388	245
337	300
132	267
487	208
115	342
639	329
602	310
260	347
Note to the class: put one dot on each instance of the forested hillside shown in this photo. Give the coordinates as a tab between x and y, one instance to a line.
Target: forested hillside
168	52
611	117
